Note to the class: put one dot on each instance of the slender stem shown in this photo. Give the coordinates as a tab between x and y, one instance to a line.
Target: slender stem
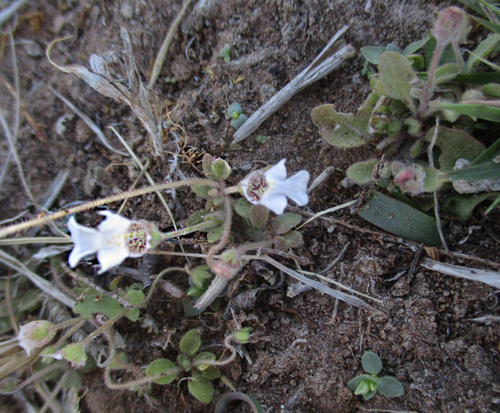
67	323
227	230
144	380
231	190
184	231
69	333
43	219
430	78
12	316
37	375
104	327
55	392
459	57
227	343
156	280
254	246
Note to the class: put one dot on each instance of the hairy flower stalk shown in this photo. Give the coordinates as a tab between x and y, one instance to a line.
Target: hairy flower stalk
271	188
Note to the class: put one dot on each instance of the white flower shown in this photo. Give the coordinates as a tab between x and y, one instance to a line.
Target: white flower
271	188
115	239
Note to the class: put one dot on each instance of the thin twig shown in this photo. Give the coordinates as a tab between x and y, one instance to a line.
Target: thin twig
12	316
331	57
160	58
55	392
9	11
139	177
337	259
436	202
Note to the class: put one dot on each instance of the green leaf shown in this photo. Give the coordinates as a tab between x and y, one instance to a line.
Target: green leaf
95	302
372	53
191	342
258	216
462	205
211	373
340	129
238	123
234	110
202	389
455	144
75	354
390	387
135	297
396	76
284	223
242	207
446	73
189	309
201	190
161	366
400	219
293	239
486	170
113	285
493	205
353	383
362	172
205	356
371	362
487	154
413	47
215	234
485	47
479	78
200	275
197	218
133	314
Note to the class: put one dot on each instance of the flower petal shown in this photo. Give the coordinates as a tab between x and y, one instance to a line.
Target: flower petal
277	172
299	183
276	202
114	223
111	257
87	241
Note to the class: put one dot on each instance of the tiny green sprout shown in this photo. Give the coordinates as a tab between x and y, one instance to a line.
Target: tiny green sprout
225	53
243	335
170	80
234	110
261	139
368	384
238	123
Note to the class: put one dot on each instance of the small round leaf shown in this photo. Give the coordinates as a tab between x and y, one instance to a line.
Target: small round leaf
390	387
202	389
161	366
191	342
371	362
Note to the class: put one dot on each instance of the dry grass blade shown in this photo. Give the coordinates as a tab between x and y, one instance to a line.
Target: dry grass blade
349	299
9	11
330	58
128	90
491	278
40	282
89	122
166	45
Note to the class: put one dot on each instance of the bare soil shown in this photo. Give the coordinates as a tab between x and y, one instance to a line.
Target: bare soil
305	349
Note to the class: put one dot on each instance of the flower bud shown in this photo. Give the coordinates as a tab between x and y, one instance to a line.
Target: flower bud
243	335
410	179
228	265
452	25
36	334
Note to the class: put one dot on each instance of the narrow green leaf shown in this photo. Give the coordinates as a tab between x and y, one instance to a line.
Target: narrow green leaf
482	78
413	47
493	205
486	170
475	111
390	387
400	219
487	154
191	342
495	28
485	47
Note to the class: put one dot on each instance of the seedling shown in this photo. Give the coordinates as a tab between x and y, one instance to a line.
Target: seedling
237	118
225	53
368	384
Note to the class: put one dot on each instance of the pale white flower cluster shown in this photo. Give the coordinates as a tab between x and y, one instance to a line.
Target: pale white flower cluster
271	188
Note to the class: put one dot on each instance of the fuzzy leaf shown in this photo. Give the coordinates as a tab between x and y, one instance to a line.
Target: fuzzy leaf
200	275
205	356
390	387
191	342
371	362
242	207
211	373
372	53
293	239
361	172
201	388
455	144
201	190
483	49
340	129
400	219
238	123
189	309
396	75
463	205
97	303
353	383
258	215
446	73
160	366
135	297
284	223
413	47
